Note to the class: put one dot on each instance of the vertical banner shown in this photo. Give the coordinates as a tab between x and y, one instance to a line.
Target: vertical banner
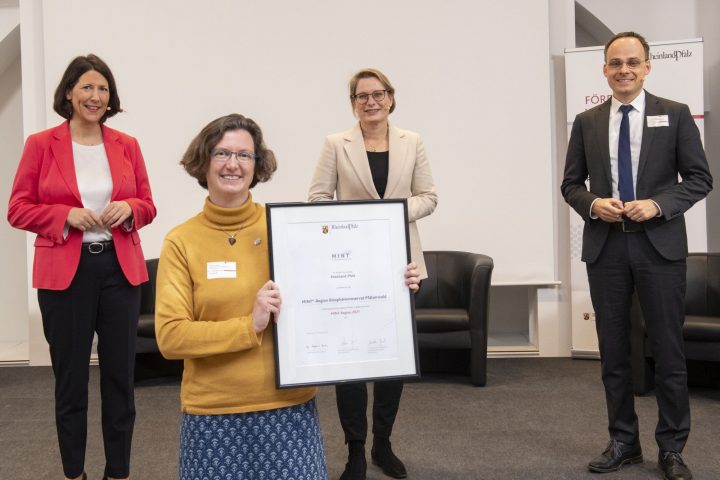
677	74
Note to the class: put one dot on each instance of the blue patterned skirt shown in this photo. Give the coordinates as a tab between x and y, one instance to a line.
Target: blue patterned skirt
284	443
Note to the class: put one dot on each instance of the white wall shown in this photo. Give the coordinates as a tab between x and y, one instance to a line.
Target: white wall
554	305
9	19
178	66
707	27
286	64
656	20
34	112
13	274
158	96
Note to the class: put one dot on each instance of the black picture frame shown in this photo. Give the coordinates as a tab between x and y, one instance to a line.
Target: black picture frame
347	315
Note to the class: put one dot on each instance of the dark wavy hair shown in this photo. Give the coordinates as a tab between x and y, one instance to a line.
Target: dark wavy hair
196	160
78	66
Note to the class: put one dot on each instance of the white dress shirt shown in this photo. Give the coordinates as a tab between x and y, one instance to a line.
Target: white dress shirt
635	116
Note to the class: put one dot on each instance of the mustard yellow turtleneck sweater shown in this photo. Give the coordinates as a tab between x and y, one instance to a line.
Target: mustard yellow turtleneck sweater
208	321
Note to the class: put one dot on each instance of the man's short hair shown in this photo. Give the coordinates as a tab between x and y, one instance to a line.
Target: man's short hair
617	36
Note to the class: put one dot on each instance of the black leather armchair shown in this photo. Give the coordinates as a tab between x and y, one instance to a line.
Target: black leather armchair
149	362
701	331
451	310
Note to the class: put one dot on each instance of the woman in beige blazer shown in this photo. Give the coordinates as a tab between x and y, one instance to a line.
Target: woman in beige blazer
374	160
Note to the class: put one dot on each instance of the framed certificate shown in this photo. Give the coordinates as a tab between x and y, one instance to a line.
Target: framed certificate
346	313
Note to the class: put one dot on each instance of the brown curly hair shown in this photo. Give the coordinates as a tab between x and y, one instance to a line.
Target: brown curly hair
196	159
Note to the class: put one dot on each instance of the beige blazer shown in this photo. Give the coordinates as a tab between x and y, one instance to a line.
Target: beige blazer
343	172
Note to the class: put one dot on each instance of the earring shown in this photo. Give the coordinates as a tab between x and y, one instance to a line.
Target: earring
109	108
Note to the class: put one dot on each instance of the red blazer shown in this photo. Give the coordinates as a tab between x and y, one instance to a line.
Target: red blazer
45	189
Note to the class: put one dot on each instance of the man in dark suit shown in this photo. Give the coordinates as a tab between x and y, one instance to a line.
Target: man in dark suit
632	148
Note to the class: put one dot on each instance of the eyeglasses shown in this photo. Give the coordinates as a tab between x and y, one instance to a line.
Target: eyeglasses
362	98
223	156
632	64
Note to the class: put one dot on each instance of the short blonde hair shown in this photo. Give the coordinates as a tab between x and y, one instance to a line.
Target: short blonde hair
371	73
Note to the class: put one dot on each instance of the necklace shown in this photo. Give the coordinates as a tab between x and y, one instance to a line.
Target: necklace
372	147
231	238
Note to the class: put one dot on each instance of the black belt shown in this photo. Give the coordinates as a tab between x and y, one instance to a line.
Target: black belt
98	247
627	227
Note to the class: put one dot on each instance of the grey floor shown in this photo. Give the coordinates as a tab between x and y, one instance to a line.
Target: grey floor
536	419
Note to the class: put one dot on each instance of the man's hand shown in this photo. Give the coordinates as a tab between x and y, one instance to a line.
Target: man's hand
608	209
641	210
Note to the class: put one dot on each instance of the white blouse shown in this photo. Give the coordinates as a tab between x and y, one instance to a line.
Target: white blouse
92	171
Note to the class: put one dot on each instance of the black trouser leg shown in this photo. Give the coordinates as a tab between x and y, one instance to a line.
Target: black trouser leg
352	401
661	286
611	289
68	323
628	262
386	401
117	331
70	317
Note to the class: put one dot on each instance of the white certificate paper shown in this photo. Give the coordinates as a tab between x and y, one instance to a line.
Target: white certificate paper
347	314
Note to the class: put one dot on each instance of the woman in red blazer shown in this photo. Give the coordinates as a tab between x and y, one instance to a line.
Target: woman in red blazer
83	189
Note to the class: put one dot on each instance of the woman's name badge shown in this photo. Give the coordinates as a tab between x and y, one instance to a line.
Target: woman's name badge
221	270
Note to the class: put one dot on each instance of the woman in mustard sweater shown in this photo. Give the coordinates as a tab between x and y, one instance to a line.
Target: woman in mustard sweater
214	304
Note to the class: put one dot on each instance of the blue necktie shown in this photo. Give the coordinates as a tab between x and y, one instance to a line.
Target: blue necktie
625	176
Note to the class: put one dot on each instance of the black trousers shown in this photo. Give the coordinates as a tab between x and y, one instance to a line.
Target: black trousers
99	299
629	262
352	400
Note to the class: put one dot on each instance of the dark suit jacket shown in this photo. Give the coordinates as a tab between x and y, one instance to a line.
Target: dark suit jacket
665	152
45	189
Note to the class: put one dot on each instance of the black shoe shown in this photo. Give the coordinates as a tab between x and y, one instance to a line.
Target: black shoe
356	466
615	456
673	466
383	456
